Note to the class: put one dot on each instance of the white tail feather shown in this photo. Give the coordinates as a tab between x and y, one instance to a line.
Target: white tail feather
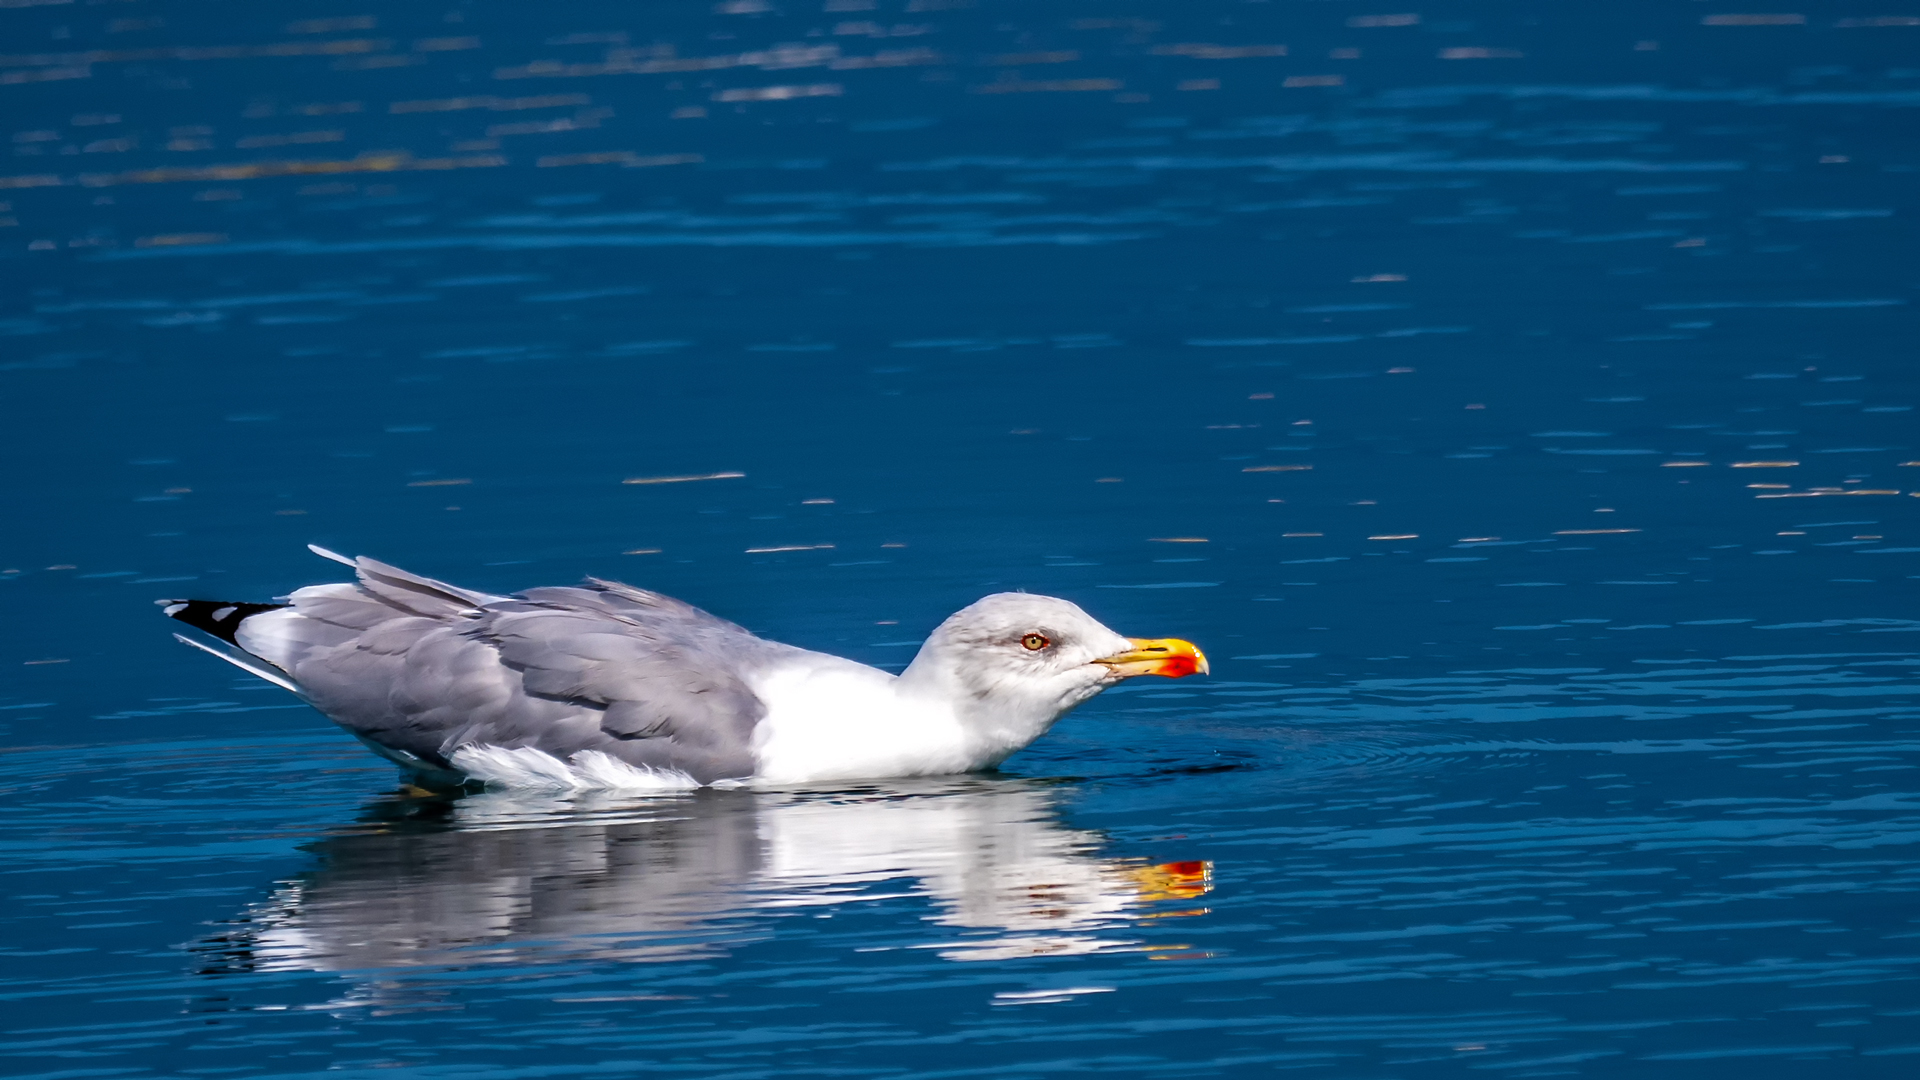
248	663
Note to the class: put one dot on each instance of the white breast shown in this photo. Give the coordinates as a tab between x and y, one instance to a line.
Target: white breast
845	721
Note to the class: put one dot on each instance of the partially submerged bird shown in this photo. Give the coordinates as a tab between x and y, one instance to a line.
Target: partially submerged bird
607	686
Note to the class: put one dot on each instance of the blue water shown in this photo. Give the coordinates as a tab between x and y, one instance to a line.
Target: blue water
1515	400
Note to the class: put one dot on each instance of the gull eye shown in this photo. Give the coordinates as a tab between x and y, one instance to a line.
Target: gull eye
1034	642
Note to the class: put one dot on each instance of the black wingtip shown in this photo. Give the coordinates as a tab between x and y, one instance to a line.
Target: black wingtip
221	618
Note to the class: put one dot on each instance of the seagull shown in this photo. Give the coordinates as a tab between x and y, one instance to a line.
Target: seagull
606	686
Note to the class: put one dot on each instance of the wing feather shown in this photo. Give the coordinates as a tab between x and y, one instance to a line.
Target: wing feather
421	595
420	666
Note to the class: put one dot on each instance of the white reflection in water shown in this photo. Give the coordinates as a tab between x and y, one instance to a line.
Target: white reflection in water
514	879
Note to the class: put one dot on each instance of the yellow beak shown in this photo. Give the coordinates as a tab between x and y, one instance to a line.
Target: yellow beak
1157	656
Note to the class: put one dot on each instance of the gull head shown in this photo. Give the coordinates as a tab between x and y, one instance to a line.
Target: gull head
1012	663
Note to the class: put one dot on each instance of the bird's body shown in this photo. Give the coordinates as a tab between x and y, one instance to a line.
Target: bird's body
606	685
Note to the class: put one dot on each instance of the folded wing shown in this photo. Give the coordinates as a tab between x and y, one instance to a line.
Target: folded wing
420	669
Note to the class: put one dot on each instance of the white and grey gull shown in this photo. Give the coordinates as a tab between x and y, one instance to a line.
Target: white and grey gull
604	685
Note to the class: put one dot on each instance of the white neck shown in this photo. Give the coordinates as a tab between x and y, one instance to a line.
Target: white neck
832	719
997	723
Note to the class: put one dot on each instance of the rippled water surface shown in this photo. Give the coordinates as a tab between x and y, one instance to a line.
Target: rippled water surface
1591	323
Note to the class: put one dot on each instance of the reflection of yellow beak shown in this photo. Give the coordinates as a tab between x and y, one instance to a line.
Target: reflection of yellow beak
1157	656
1174	880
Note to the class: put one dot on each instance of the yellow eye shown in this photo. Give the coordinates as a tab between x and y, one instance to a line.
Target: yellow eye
1035	642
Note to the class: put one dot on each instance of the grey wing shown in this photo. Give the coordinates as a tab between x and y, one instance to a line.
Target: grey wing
421	669
666	679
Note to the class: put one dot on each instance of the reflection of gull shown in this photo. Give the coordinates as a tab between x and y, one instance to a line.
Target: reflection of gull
510	880
615	688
